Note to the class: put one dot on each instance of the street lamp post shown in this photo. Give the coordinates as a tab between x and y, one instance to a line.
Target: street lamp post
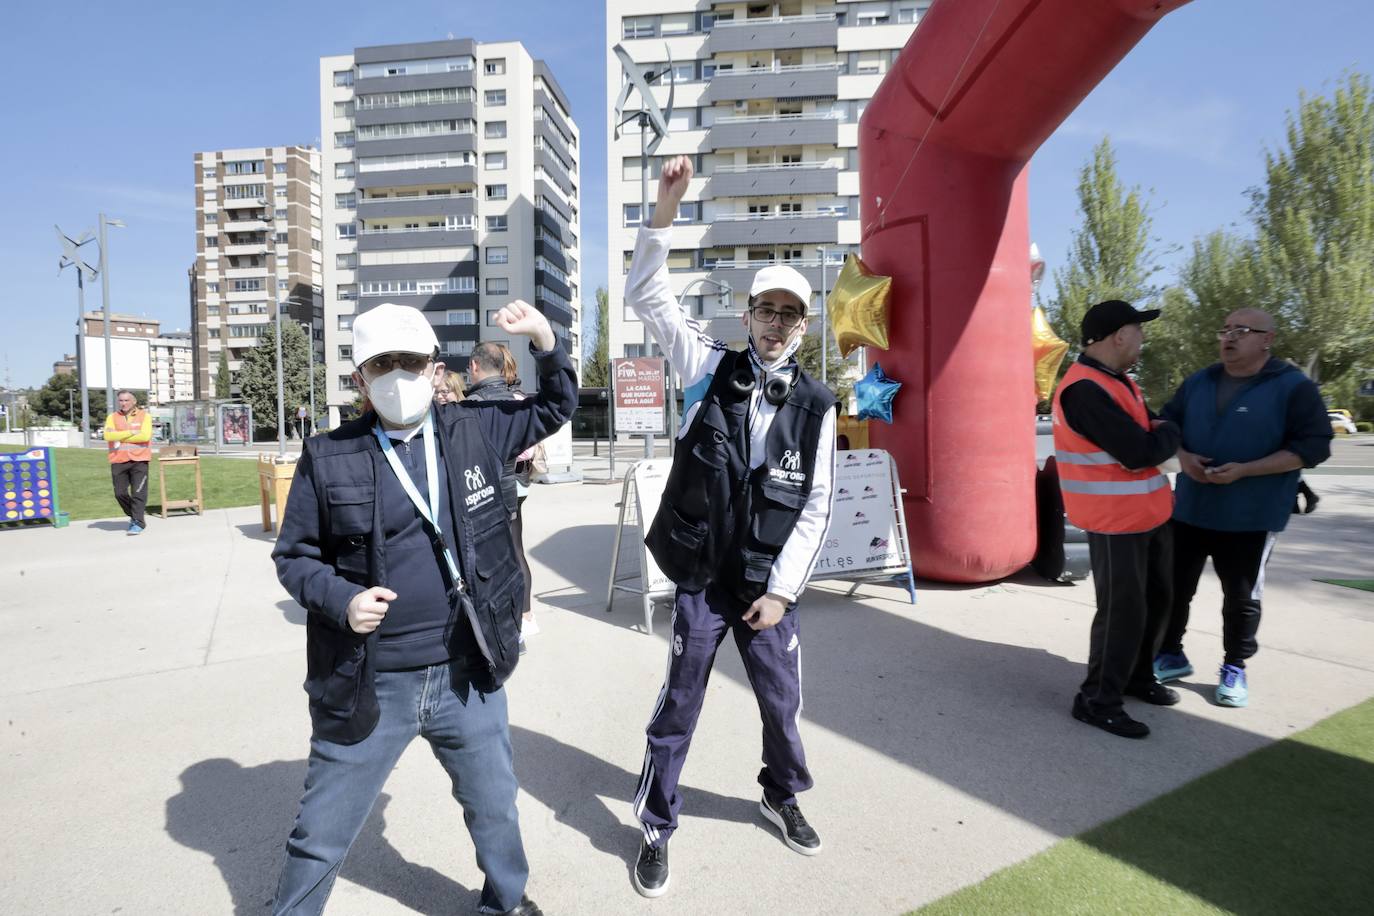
72	257
281	388
104	269
310	357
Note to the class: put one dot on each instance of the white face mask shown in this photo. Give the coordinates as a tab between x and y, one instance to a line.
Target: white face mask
401	397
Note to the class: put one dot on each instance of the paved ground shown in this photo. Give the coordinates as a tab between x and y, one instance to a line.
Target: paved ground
154	730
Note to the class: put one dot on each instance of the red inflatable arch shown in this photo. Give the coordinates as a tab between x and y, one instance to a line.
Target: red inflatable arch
943	149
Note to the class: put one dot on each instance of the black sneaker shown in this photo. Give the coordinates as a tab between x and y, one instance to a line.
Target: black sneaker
1120	724
796	832
526	907
651	871
1155	694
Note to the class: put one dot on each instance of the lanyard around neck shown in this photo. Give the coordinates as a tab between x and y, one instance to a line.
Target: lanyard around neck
429	512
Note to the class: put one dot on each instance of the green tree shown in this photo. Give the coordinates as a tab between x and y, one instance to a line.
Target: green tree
258	375
1313	256
222	382
1214	280
1111	256
51	400
839	372
596	365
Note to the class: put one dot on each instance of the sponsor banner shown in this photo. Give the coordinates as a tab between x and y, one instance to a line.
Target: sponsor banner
650	479
863	535
639	395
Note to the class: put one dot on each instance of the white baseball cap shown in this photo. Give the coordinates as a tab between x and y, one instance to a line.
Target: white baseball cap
780	276
391	328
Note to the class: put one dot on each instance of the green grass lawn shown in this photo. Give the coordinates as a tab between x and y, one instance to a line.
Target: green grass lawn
1286	829
84	490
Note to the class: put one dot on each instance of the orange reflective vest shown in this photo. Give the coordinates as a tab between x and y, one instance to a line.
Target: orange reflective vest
1099	494
128	438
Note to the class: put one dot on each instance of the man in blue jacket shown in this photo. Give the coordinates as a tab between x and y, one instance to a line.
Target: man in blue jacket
1250	424
397	542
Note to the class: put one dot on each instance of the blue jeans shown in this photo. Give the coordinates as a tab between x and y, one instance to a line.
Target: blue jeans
470	736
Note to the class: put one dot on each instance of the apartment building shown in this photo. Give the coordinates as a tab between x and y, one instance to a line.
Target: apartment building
450	183
257	247
767	104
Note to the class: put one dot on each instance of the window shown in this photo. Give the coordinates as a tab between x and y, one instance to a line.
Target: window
343	77
346	230
376	288
247	286
495	97
281	238
343	170
343	139
212	287
436	128
461	316
498	254
212	241
283	286
405	161
345	351
346	383
245	167
638	27
491	317
496	224
415	67
345	322
243	191
494	161
495	130
496	192
212	217
346	292
632	217
498	286
279	192
495	67
346	261
457	347
347	201
343	109
279	213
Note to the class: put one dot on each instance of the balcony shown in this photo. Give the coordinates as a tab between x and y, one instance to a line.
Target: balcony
791	82
400	178
773	228
549	220
438	302
556	312
243	202
244	248
432	206
455	142
773	179
775	130
245	225
365	117
773	33
740	274
544	278
424	237
375	84
552	252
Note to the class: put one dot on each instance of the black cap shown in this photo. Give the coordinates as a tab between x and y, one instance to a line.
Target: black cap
1106	318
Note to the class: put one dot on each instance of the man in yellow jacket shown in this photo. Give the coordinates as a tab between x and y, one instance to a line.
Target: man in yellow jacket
128	436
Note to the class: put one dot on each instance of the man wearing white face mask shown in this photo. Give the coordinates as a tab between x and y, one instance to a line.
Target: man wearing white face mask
742	519
408	495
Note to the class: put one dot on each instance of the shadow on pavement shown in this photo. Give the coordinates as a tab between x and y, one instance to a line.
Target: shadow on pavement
241	816
292	612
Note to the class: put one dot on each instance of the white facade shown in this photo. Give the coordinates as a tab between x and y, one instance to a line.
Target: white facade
170	370
450	183
767	104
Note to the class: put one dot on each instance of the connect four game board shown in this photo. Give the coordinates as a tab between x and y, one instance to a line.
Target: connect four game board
28	488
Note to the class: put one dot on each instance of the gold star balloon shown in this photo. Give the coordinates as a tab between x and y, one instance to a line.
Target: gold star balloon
858	307
1049	353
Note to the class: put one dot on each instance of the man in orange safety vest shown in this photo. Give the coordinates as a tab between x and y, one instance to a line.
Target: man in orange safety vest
128	436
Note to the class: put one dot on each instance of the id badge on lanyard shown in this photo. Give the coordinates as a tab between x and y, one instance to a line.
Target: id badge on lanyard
428	511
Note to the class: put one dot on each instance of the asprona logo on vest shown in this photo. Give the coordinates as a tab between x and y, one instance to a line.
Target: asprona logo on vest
789	469
479	490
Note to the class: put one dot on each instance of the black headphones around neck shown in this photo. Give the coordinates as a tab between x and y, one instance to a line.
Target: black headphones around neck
777	388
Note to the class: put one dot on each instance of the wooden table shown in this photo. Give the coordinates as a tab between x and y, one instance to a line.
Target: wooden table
179	456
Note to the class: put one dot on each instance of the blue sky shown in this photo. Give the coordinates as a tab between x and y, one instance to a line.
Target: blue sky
109	103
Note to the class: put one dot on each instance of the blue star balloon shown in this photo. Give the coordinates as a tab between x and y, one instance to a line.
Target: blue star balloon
874	393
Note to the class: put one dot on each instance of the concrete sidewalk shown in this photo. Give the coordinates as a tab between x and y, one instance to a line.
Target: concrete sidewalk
155	731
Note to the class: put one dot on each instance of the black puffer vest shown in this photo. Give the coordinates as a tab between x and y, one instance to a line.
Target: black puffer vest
719	523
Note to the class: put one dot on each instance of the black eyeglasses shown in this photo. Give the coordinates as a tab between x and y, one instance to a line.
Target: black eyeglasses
788	318
1238	332
385	362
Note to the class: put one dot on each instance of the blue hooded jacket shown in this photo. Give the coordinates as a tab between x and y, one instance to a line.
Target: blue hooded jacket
1279	409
